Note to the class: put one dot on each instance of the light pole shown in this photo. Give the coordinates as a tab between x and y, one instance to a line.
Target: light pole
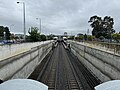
4	35
39	23
88	32
11	26
23	19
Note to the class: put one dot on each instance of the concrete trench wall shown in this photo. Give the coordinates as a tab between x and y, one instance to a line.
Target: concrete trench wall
104	65
7	51
22	65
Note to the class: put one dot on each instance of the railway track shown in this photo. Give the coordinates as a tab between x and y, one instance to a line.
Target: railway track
48	73
74	83
81	70
51	78
61	71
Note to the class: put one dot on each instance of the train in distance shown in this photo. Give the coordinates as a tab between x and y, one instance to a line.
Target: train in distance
60	38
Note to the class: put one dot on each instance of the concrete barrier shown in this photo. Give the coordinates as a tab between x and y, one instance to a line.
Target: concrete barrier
7	51
105	65
23	64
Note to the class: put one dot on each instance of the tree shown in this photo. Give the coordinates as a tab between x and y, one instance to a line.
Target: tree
90	37
108	26
34	35
7	32
116	37
1	32
85	37
43	37
102	27
101	38
96	24
50	37
71	37
81	37
12	36
65	34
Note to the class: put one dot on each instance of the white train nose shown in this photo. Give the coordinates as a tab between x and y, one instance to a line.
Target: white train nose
110	85
23	84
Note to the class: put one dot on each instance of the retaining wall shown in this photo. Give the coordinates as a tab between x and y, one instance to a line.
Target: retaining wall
10	50
105	65
22	65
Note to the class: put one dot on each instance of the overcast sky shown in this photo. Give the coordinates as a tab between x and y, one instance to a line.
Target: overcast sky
58	16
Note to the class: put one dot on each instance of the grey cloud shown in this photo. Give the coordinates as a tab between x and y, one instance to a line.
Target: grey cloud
57	15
